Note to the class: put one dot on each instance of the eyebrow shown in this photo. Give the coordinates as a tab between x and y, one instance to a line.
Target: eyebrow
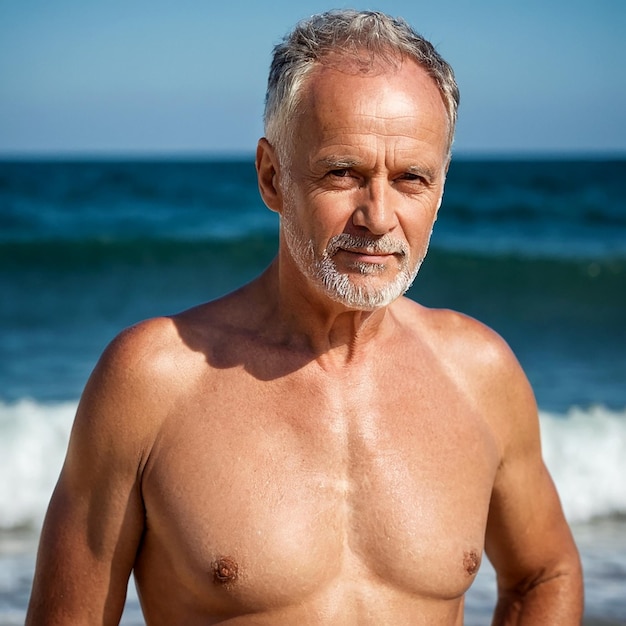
337	162
347	162
425	172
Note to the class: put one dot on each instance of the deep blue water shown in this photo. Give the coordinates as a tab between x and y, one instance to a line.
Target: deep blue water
536	249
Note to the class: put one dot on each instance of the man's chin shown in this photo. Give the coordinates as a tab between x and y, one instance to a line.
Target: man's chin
360	294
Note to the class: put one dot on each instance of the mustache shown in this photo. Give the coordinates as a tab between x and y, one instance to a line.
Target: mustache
380	245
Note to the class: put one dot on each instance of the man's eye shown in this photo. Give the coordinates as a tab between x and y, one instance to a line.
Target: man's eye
412	180
343	173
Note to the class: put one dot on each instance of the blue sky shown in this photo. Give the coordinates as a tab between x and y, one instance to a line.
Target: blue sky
152	77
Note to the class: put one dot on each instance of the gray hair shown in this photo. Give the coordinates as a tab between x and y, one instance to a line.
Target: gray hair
352	33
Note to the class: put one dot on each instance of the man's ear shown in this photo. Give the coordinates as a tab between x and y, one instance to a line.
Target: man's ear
267	171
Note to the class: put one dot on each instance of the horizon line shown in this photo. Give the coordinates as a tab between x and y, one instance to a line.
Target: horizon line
238	155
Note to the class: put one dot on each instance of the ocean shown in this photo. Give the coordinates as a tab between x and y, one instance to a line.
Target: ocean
534	248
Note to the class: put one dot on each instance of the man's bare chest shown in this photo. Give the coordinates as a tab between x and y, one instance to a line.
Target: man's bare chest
269	491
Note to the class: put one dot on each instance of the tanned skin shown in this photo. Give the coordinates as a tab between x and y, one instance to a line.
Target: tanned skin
280	457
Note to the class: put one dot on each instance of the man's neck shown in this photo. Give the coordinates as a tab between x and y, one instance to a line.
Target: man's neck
308	319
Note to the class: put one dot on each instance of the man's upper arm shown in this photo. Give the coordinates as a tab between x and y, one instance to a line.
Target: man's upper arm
528	539
95	519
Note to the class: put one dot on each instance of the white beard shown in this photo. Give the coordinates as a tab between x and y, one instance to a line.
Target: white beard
323	272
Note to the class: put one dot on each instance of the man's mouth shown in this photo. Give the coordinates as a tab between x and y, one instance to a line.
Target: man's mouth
370	256
368	250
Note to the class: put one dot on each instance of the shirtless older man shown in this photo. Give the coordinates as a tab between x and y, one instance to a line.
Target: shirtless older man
315	448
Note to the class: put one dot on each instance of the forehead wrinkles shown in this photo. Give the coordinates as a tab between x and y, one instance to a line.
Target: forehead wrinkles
361	109
334	129
399	132
365	109
372	151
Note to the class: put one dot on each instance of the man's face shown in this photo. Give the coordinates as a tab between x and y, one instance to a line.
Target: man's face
365	181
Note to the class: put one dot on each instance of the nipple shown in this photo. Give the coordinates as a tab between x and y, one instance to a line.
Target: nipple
225	570
471	562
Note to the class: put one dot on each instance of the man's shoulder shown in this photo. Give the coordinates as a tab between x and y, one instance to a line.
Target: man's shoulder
167	348
151	355
482	364
459	330
145	345
141	376
453	329
465	344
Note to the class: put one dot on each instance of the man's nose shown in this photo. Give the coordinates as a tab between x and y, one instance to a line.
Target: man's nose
375	211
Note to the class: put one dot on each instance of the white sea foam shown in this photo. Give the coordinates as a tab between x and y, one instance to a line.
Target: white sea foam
585	451
33	440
